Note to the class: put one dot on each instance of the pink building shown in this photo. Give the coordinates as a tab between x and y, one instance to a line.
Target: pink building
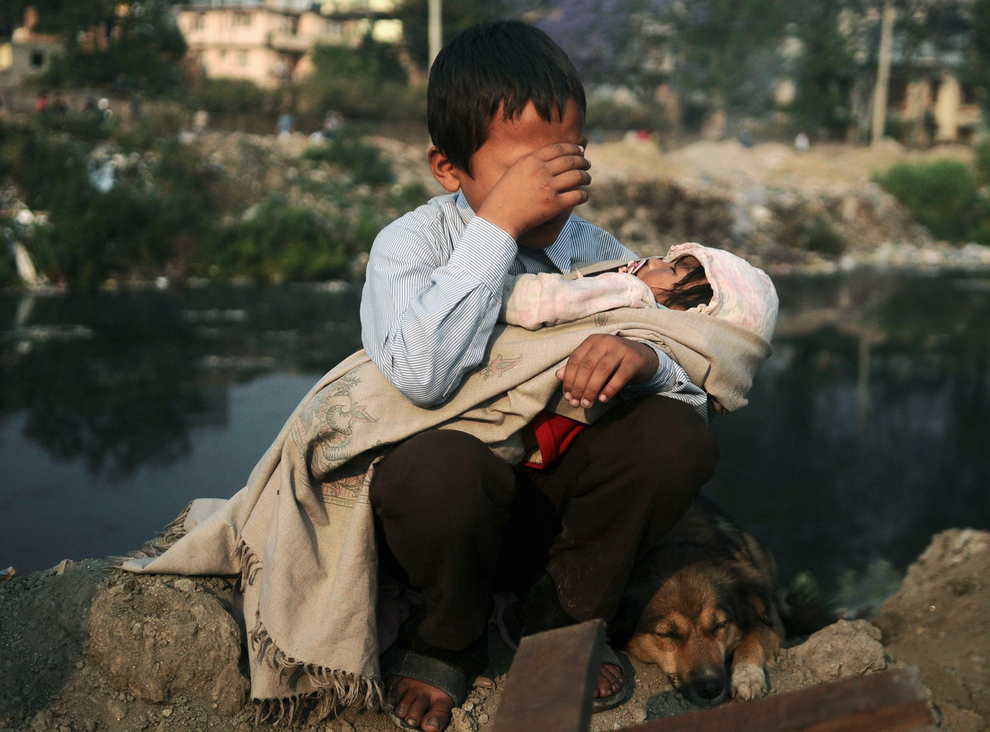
271	41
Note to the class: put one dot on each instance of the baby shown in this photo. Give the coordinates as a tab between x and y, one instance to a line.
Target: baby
691	277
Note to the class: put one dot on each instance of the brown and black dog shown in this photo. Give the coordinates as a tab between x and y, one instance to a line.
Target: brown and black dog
706	596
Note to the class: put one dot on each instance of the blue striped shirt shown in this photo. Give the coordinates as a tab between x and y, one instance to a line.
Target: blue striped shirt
434	288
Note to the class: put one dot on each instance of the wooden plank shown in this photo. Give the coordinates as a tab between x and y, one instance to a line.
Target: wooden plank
888	702
551	682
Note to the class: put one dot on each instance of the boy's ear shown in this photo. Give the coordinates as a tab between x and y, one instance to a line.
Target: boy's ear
443	170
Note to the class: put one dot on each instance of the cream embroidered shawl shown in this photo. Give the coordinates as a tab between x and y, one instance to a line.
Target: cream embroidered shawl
300	534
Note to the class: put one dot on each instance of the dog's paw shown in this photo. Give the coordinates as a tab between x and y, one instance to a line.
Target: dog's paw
748	681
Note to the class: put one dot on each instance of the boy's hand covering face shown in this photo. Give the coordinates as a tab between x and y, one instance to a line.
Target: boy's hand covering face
528	175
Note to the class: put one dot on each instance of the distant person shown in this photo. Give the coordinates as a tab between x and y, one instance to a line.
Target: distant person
41	103
930	124
802	143
90	106
136	105
120	83
103	107
746	139
201	120
332	123
285	125
59	106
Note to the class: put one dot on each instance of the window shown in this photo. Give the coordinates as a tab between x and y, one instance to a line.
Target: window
223	53
198	22
242	20
37	59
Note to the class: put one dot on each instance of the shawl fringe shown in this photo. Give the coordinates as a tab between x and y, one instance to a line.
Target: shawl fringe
163	541
335	688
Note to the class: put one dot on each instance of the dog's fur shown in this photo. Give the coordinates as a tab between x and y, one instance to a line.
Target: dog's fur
705	596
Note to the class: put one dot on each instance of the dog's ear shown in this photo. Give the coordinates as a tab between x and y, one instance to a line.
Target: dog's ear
751	603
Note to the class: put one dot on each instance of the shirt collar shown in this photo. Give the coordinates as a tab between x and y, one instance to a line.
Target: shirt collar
559	253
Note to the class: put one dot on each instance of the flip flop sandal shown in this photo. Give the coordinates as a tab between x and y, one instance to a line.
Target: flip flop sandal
449	679
628	681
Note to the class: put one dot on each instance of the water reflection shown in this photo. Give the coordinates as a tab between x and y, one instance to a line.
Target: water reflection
867	430
118	381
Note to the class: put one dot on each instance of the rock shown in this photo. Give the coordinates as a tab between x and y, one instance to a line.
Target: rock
184	584
939	620
117	709
42	721
842	650
461	721
167	642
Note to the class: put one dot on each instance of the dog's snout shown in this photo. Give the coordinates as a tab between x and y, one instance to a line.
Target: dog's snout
708	688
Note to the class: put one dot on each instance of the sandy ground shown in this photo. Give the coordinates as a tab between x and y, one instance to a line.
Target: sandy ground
771	163
83	647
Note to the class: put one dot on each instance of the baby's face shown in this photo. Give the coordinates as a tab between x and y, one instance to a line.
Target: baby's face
661	276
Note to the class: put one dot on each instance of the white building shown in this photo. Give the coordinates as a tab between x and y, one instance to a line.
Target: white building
271	41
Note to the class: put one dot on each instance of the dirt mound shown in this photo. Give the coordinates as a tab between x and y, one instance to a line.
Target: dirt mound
85	647
939	620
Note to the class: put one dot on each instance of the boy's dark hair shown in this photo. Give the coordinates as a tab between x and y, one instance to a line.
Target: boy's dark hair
502	64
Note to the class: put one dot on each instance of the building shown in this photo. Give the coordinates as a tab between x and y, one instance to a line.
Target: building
927	99
28	54
271	41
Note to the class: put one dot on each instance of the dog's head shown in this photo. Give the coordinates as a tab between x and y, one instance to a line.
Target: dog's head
693	622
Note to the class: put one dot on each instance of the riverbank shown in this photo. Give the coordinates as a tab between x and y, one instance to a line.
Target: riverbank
230	205
88	648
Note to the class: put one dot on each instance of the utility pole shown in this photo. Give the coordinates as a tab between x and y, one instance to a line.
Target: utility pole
436	33
883	72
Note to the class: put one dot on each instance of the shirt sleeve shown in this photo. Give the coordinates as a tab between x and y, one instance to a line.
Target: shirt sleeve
671	381
425	322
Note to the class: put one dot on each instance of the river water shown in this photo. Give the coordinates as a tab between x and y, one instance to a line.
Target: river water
868	429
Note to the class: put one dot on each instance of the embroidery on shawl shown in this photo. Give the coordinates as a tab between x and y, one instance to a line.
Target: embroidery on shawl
325	427
498	365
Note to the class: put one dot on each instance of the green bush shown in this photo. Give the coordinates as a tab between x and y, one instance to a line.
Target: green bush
135	227
366	83
350	151
8	269
278	242
159	125
983	163
941	195
361	98
820	236
612	115
231	96
84	125
146	46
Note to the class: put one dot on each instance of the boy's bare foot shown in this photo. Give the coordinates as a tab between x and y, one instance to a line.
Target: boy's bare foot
426	707
610	680
420	705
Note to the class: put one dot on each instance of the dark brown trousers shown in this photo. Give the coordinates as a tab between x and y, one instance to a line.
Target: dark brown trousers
457	520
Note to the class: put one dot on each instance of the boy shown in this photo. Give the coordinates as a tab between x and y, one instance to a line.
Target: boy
506	116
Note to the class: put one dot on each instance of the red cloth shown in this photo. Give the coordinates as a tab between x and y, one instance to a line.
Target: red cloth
554	434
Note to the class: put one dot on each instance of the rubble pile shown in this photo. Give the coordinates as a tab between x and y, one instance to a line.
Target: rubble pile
86	647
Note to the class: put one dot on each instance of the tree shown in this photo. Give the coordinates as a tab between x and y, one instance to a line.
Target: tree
979	51
826	71
145	44
457	15
728	49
